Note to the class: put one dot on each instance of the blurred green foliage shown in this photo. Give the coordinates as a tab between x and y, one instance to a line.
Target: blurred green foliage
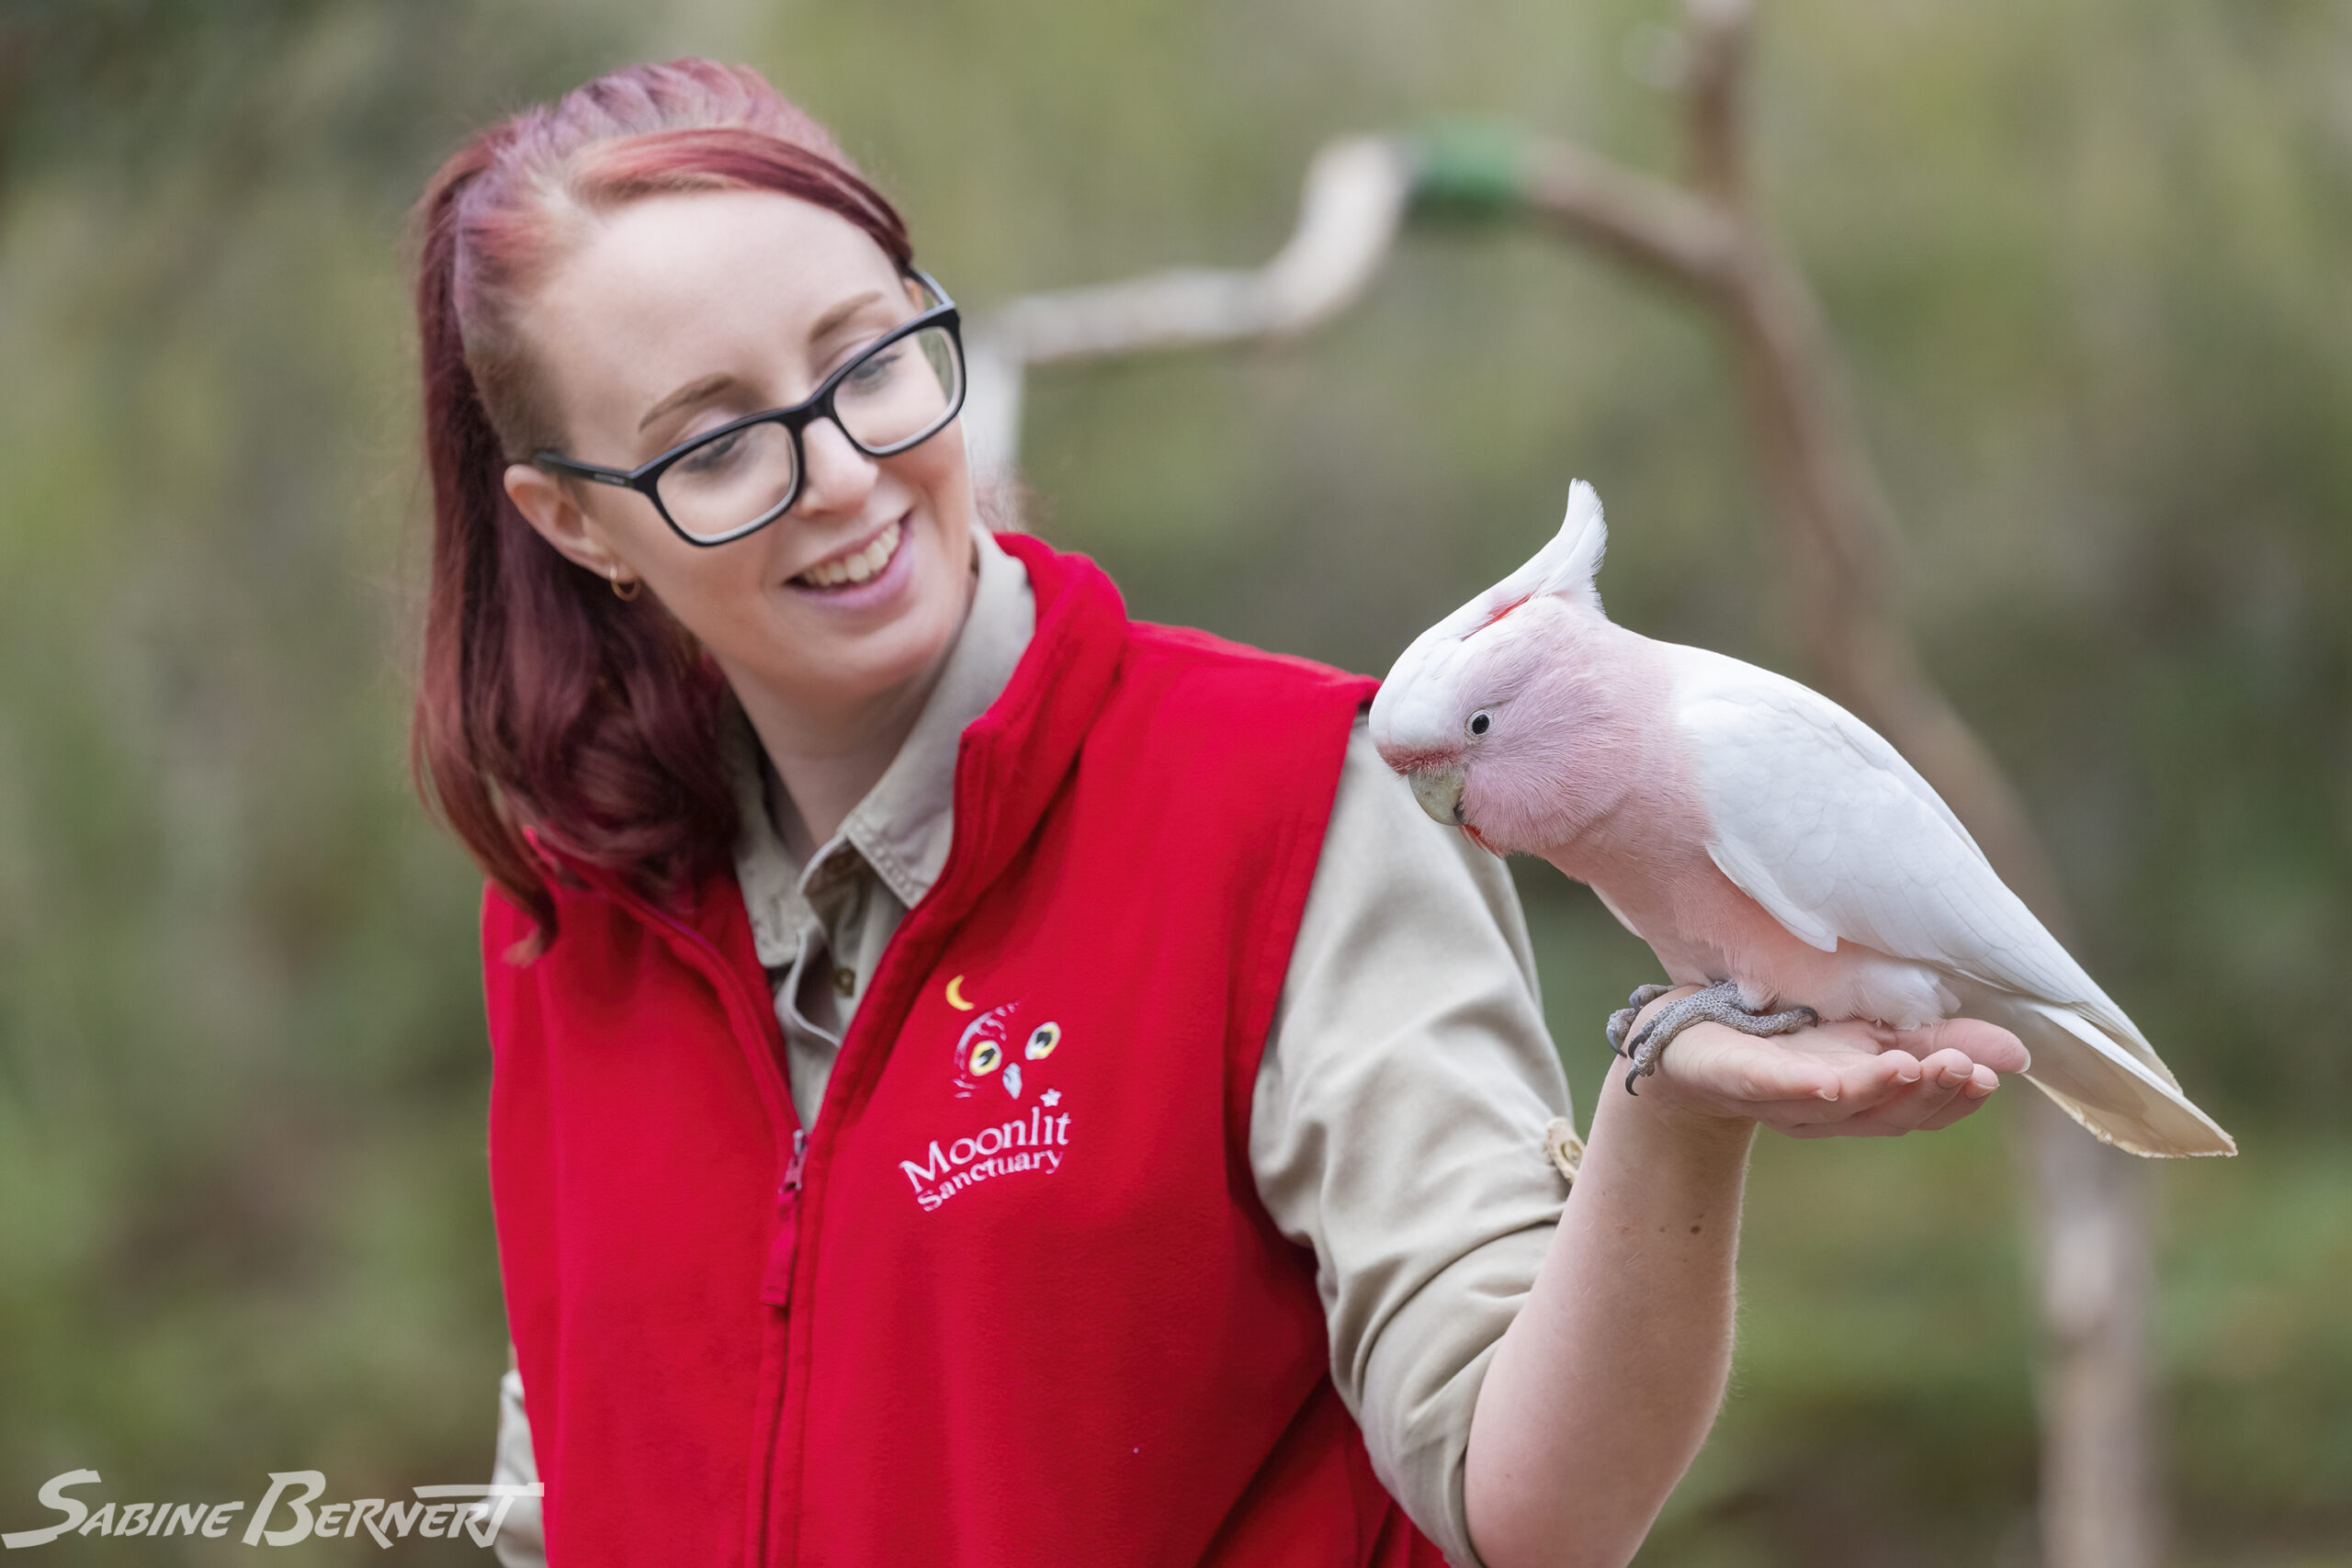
2087	261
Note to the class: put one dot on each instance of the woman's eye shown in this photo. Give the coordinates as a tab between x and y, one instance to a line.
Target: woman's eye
715	458
874	370
1480	722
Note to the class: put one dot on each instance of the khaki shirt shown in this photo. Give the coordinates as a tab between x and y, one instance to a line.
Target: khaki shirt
1399	1123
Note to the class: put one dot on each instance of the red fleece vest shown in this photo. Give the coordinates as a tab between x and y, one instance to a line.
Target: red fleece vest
1015	1303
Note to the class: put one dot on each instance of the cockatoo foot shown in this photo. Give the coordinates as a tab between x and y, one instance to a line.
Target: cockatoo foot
1719	1003
1622	1020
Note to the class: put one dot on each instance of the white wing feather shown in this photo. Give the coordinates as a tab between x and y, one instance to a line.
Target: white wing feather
1821	821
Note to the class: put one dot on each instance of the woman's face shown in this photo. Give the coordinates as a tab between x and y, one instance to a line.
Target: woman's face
680	313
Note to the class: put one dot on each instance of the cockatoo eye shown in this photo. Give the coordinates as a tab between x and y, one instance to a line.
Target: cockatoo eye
1480	722
986	1057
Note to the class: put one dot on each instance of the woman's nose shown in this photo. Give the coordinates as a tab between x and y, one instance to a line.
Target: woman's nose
840	477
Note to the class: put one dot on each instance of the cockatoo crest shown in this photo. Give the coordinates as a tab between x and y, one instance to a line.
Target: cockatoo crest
1567	565
1414	714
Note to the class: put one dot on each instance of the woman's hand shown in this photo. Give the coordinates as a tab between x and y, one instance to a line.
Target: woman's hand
1859	1080
1605	1385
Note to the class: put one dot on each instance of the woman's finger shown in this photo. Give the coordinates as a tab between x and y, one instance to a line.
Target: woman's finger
1867	1085
1972	1037
1951	1068
1859	1111
1872	1082
1938	1101
1924	1107
1960	1105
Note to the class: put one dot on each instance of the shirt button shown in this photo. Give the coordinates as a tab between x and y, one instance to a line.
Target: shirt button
844	980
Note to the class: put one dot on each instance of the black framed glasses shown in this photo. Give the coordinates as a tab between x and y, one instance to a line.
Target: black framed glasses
898	391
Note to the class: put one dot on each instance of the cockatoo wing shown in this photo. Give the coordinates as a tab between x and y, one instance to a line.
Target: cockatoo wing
1821	821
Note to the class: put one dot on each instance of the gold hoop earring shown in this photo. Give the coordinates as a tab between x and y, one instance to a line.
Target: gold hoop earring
624	590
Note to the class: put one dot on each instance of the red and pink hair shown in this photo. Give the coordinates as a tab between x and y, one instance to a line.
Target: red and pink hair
545	706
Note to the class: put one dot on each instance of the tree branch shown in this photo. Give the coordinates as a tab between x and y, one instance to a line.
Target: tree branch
1641	222
2099	1503
1713	69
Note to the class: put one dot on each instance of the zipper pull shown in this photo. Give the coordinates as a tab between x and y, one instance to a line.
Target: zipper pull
776	1288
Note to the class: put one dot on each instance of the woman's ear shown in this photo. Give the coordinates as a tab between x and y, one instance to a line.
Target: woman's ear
548	504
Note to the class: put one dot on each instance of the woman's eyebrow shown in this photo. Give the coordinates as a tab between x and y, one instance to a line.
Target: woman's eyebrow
710	385
691	392
831	321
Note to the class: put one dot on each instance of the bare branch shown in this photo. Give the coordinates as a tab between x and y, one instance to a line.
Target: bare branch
1354	200
1638	219
1712	77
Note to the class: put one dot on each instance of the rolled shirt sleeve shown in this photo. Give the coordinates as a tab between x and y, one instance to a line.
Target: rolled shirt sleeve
1399	1123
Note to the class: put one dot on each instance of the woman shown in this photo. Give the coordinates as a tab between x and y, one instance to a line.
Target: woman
977	1079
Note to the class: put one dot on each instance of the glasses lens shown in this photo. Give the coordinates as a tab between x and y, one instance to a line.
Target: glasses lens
729	483
901	391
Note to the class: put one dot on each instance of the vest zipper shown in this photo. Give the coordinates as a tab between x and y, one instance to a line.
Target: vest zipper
775	1286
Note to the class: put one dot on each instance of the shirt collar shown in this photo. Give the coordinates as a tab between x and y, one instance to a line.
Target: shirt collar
903	829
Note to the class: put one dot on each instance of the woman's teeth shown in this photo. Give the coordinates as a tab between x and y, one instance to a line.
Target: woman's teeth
856	567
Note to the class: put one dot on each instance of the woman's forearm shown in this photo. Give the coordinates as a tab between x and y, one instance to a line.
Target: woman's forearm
1606	1383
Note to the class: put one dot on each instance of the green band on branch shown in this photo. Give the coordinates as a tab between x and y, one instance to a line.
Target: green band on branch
1469	171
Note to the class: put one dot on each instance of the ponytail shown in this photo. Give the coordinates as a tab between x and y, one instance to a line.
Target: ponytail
545	705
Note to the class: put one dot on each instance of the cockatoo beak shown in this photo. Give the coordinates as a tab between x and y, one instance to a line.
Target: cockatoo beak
1439	790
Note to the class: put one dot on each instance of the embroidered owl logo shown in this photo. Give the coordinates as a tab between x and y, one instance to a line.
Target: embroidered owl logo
994	1046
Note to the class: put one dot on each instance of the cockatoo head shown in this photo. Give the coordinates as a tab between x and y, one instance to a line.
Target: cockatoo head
1481	714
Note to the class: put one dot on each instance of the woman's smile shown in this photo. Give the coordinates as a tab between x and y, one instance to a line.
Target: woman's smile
863	573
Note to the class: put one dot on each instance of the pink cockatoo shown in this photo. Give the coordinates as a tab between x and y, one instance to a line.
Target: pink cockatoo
1767	845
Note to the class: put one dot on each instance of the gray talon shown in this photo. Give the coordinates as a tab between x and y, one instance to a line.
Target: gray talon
1619	1021
1719	1003
1623	1018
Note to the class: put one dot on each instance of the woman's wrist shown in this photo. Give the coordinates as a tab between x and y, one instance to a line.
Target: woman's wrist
1650	1117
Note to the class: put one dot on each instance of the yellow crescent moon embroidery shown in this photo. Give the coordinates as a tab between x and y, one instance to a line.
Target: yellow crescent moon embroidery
955	996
